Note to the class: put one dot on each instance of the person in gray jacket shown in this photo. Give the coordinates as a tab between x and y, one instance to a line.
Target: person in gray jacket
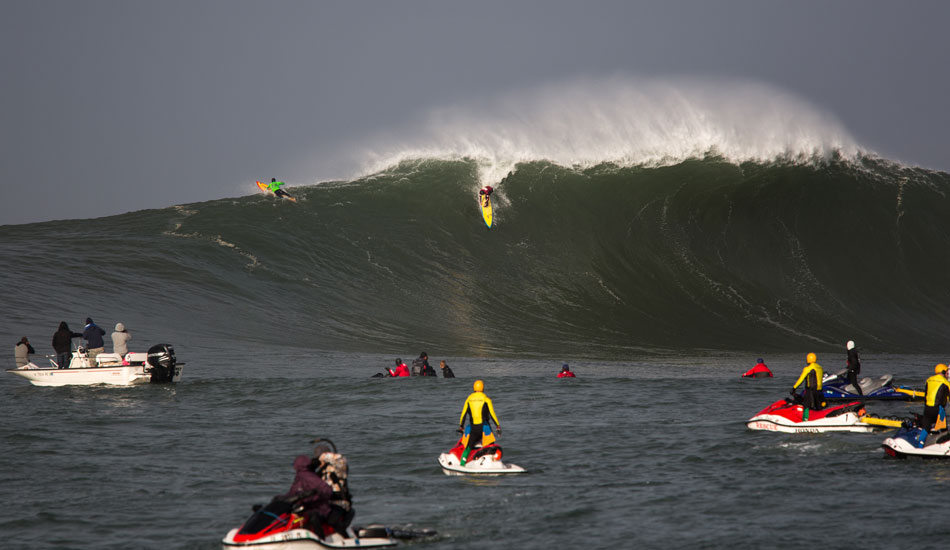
23	351
120	340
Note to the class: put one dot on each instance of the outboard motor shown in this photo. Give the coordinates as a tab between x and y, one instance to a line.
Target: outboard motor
161	362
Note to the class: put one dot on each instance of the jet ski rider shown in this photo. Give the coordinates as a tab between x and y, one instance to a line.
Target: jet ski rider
854	367
938	393
811	376
312	492
479	410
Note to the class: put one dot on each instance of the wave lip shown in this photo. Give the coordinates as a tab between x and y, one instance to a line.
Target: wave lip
625	121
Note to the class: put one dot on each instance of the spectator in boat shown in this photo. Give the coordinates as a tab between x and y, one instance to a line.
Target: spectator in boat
811	377
120	340
760	370
401	369
854	367
63	344
446	370
565	372
311	491
22	352
93	336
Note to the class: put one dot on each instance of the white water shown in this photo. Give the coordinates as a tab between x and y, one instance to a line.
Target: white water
622	120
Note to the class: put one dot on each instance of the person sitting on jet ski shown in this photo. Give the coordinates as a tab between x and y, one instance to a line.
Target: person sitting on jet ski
312	492
811	376
938	393
854	367
760	370
401	369
479	411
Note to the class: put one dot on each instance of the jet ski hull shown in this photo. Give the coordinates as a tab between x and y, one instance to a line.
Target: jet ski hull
482	461
904	444
787	417
305	539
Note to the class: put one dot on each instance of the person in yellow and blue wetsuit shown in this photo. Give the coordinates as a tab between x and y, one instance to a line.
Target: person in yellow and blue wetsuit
479	411
811	376
938	394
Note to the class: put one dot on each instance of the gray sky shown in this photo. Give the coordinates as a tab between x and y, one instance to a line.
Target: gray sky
119	105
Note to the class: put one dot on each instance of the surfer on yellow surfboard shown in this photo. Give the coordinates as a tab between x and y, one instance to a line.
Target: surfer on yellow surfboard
274	188
484	199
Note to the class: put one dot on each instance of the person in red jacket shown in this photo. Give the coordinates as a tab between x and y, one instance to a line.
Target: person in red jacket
566	372
401	369
758	371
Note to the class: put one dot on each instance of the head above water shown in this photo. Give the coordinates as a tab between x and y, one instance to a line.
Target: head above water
565	368
760	360
478	386
811	358
850	344
423	355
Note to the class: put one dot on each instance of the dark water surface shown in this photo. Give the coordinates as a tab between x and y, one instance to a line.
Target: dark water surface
651	453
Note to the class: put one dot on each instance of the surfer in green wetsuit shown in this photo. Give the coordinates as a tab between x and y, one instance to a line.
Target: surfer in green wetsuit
275	188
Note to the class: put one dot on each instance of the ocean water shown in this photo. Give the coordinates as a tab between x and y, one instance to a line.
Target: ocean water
660	285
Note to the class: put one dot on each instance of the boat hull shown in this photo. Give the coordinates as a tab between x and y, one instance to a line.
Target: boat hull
120	375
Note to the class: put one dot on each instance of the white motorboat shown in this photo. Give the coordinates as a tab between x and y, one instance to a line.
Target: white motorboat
158	365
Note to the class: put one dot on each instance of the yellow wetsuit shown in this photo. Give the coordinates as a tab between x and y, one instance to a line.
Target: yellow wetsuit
476	405
811	376
479	410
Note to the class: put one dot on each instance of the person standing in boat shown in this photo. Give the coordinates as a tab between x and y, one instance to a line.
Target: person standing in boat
93	334
480	412
120	340
63	344
854	367
811	377
446	370
22	352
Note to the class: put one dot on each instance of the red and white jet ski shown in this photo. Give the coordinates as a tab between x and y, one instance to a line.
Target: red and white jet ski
788	415
482	460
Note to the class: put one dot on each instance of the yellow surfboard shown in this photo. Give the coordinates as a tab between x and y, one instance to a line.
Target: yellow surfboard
485	201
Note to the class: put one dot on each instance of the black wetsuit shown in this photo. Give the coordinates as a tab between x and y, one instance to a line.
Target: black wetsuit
447	372
854	369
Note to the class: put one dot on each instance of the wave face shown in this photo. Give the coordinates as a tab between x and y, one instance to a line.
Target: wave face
603	261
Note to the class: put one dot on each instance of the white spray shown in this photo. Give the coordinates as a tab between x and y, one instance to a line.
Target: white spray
622	120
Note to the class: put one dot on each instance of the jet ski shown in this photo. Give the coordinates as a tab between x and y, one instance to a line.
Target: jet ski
482	460
907	443
836	387
788	414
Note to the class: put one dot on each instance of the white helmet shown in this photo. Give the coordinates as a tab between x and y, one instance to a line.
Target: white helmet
850	344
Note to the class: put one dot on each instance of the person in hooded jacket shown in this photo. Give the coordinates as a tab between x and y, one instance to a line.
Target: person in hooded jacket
401	369
854	367
22	352
92	334
312	492
120	340
63	344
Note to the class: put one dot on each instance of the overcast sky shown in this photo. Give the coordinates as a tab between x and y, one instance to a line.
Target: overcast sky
119	105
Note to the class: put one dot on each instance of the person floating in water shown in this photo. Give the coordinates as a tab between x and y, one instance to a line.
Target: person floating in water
275	188
811	376
484	196
401	369
565	372
479	411
446	370
760	370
